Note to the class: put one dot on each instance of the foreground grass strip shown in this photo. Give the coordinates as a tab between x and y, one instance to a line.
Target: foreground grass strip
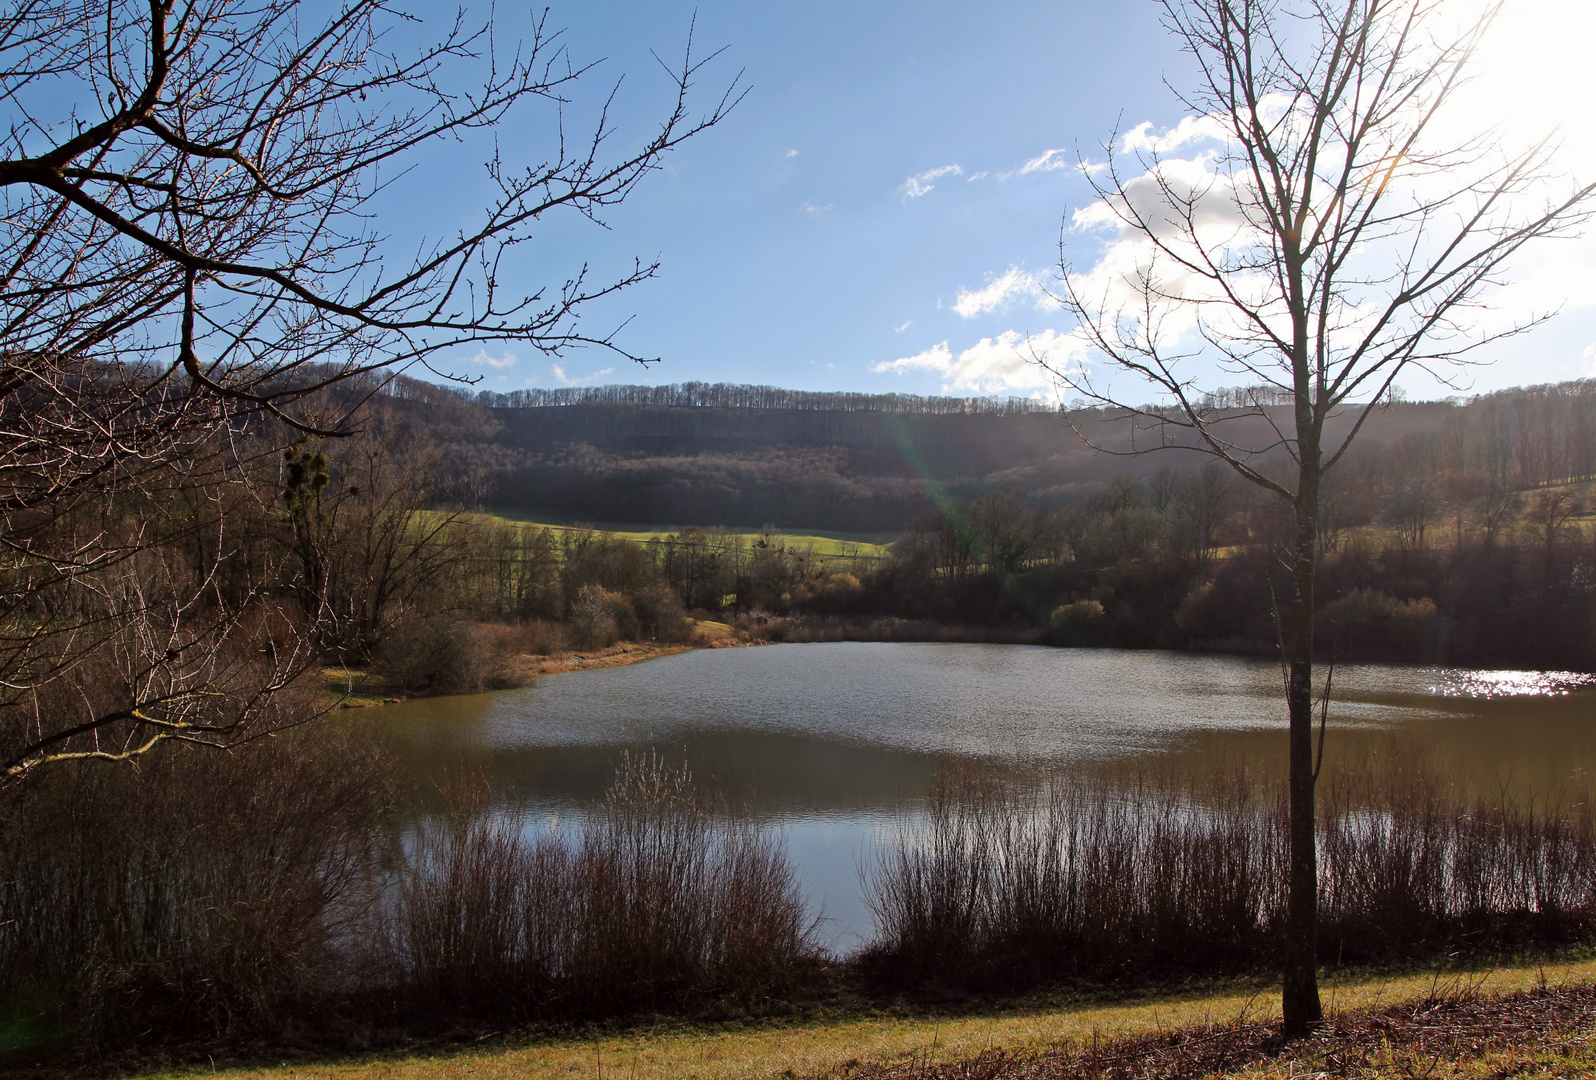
852	1043
1460	1033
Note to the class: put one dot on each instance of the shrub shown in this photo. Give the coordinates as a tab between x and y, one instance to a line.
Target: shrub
659	614
1367	623
665	898
1079	623
544	638
1012	883
442	654
201	894
597	617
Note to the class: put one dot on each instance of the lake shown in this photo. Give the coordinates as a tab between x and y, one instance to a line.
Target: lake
834	742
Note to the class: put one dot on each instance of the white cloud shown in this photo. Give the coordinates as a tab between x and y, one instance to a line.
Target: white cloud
1010	361
1589	355
936	358
565	380
1048	161
1185	188
1141	138
922	183
789	155
482	357
814	209
904	326
998	291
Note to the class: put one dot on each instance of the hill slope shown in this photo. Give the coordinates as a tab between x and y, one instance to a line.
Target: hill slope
751	456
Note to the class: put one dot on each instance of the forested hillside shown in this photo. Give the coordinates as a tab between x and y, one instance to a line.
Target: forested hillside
746	455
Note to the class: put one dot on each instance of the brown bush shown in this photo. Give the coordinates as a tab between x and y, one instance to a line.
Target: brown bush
1367	623
203	893
665	898
1012	882
599	618
544	638
443	654
659	614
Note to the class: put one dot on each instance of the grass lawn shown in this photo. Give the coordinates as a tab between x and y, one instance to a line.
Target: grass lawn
873	545
910	1045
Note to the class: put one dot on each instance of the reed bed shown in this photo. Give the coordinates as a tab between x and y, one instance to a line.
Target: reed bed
266	892
197	893
667	897
1013	882
269	891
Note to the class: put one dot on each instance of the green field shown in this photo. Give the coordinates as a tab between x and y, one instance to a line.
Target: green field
840	544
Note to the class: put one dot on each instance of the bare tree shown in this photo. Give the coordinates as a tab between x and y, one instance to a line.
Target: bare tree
1335	240
195	249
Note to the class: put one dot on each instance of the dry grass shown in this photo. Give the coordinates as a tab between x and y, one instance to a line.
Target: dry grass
900	1045
1456	1032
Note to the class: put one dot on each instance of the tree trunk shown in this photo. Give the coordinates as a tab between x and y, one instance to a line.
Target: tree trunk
1300	986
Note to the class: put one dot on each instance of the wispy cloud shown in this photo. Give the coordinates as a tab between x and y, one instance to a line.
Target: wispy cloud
565	380
923	183
789	155
998	291
810	208
482	358
1048	161
1589	355
902	327
1054	160
1010	361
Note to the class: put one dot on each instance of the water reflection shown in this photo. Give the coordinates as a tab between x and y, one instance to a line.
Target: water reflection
1512	683
831	740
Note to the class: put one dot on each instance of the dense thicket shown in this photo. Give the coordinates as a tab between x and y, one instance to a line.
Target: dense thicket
1017	883
275	892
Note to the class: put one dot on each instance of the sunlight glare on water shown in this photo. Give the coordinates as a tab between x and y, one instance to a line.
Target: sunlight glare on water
1495	684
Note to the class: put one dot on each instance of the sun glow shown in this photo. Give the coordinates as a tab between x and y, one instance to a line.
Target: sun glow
1532	77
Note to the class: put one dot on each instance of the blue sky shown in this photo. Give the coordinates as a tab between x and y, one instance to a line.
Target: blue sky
869	201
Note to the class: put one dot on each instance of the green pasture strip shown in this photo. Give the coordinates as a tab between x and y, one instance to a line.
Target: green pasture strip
869	545
773	1050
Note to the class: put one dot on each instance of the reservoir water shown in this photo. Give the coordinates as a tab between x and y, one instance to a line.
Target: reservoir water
834	743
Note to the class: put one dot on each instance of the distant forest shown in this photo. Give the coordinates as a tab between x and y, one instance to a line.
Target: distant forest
718	454
1457	531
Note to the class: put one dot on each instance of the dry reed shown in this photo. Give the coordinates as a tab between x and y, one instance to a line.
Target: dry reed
664	899
1012	882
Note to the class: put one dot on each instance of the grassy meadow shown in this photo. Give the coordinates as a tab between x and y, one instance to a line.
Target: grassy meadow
822	542
909	1042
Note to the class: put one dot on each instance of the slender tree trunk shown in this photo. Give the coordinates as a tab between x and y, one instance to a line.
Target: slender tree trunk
1300	986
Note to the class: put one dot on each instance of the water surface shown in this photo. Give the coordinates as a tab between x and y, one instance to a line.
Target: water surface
831	741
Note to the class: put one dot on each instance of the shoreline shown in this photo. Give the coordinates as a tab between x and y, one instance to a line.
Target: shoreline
617	655
353	688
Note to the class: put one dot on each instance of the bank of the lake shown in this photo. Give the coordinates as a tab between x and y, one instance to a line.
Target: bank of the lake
902	1041
554	862
359	688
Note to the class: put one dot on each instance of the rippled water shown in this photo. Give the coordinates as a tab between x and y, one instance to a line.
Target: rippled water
832	740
